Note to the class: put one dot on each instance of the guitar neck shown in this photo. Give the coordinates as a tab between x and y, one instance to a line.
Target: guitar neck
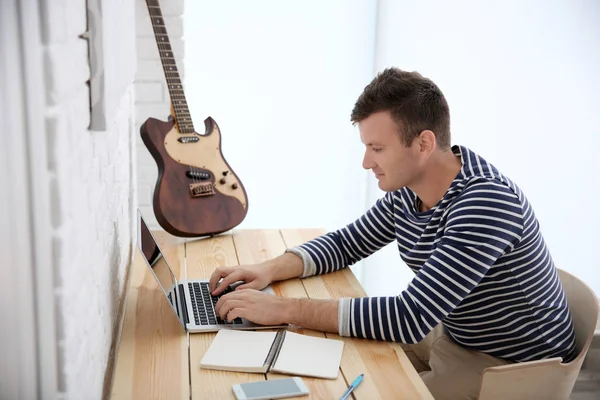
182	113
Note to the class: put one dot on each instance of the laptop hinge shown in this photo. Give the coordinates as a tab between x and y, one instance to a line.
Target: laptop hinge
186	318
176	296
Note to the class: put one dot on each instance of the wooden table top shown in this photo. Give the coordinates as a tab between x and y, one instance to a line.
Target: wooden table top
157	359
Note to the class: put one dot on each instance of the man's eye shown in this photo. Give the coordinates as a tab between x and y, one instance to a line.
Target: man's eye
376	149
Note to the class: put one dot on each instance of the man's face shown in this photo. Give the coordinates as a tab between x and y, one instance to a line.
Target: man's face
393	164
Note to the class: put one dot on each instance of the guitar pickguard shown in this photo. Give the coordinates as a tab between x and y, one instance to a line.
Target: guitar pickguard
206	154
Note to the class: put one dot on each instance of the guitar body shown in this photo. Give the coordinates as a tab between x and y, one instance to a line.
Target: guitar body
196	193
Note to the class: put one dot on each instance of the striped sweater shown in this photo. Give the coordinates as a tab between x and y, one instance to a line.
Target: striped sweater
481	268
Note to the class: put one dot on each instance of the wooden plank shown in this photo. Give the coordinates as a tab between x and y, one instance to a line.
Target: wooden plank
255	246
152	360
203	257
122	387
388	372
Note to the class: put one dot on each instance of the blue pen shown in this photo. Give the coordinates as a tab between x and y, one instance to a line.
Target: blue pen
353	386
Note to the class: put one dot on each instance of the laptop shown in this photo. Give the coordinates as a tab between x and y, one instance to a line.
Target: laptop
190	300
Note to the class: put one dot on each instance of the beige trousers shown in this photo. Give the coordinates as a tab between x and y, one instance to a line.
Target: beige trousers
449	370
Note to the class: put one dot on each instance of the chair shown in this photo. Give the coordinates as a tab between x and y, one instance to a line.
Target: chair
549	378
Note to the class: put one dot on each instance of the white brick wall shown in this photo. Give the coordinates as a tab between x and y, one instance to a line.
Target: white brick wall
152	96
92	187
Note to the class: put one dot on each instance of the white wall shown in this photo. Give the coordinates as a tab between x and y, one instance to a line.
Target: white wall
280	78
522	81
92	187
19	377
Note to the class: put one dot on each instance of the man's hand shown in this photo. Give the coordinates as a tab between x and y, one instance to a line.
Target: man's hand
256	306
254	277
266	309
257	276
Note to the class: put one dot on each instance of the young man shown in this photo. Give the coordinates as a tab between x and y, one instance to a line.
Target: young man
485	290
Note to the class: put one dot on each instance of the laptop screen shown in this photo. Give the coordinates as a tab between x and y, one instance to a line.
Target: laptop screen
157	262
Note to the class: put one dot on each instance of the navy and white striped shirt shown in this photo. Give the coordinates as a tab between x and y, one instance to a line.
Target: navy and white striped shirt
482	269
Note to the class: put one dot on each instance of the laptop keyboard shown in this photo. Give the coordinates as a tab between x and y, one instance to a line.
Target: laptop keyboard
203	304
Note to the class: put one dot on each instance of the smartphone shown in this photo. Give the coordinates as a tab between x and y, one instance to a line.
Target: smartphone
270	389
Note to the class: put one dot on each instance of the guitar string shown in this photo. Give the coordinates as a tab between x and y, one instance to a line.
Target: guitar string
173	86
174	83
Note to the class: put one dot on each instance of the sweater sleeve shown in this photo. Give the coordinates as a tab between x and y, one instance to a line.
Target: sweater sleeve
346	246
483	223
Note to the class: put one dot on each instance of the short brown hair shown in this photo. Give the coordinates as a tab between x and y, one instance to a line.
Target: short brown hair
415	103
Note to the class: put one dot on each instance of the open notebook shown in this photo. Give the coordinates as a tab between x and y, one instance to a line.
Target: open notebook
283	352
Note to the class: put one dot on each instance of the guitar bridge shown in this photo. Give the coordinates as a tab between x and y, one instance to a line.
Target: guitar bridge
202	189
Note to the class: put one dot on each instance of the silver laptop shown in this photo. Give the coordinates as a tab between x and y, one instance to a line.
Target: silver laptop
190	299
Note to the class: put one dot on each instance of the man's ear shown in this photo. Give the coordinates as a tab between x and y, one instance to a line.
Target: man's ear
427	141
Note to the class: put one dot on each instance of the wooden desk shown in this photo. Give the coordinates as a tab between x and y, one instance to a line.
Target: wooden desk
157	359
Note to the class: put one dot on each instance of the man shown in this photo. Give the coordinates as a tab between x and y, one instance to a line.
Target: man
485	291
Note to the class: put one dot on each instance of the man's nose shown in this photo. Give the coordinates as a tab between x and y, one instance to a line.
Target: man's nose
367	163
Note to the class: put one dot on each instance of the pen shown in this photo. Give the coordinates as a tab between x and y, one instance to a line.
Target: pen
353	386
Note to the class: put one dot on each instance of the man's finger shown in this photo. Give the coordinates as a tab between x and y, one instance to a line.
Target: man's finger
218	274
237	312
223	300
239	296
227	306
227	280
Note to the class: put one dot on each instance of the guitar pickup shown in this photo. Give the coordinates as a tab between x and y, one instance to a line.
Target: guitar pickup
197	174
202	189
188	139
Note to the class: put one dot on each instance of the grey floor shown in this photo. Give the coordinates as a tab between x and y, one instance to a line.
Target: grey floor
587	386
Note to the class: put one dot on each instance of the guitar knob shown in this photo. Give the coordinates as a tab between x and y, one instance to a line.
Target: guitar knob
222	181
234	186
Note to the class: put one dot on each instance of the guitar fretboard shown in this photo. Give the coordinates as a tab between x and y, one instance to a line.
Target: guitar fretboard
182	113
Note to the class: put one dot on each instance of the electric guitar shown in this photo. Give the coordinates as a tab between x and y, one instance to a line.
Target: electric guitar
197	193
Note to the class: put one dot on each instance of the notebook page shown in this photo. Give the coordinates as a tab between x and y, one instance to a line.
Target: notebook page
238	350
309	356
